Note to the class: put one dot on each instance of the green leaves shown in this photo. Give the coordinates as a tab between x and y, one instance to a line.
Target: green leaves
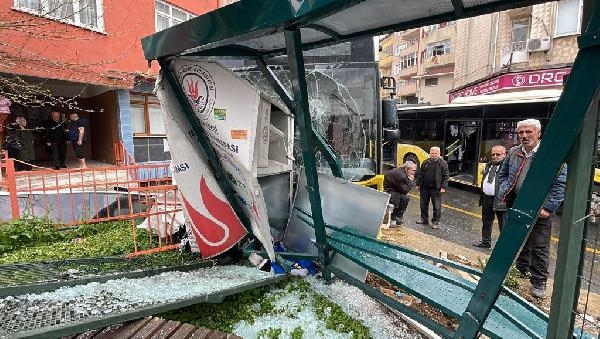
35	239
26	231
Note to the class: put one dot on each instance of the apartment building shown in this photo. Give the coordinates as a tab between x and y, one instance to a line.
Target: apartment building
421	61
436	71
85	56
516	51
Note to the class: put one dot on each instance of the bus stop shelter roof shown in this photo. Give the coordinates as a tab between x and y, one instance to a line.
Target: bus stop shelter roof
255	28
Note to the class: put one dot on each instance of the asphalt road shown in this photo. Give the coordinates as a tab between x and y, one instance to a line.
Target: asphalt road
461	224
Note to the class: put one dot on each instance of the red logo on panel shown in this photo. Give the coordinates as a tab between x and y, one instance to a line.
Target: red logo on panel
218	231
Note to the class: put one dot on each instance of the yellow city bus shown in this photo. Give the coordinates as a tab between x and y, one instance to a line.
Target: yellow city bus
466	131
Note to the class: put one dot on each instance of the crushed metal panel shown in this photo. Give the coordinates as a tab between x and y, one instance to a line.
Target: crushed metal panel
277	192
250	136
345	204
212	225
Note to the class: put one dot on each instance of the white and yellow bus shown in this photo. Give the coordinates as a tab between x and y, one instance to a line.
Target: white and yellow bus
466	130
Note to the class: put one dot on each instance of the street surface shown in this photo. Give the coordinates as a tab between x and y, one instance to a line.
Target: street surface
461	224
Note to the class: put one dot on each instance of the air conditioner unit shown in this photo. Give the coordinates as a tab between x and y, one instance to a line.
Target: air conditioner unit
538	44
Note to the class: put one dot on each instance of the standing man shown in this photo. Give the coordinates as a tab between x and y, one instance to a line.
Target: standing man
398	183
56	139
487	199
432	181
533	259
78	131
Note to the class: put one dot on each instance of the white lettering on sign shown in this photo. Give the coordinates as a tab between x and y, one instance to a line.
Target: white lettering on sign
544	78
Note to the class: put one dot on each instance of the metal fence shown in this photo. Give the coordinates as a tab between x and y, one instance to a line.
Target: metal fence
142	193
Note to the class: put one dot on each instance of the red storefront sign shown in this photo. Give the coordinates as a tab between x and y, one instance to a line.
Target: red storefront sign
533	79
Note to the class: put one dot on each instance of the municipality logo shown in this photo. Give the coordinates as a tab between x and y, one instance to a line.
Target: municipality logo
200	88
296	4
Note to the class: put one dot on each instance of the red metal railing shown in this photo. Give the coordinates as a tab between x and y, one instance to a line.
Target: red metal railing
122	155
76	196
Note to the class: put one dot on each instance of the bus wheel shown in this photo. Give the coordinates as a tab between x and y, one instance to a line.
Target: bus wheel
413	158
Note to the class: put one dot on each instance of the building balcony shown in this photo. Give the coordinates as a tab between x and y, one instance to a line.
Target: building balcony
411	47
385	60
407	89
443	33
386	45
514	53
409	34
409	72
438	61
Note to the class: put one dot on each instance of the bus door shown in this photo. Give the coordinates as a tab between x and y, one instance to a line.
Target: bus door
460	149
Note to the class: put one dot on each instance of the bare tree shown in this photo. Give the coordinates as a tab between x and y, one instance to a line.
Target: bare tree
37	28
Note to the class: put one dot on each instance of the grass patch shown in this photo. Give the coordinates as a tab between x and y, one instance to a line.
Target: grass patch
91	240
29	240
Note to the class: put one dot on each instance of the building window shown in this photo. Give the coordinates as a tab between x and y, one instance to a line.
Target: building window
520	34
146	115
83	13
408	61
520	30
168	15
438	48
399	48
431	82
397	69
431	28
568	18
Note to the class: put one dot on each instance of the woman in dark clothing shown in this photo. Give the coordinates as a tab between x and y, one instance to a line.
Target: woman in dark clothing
25	138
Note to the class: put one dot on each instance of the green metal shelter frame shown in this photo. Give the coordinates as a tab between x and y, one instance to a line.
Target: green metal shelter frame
259	29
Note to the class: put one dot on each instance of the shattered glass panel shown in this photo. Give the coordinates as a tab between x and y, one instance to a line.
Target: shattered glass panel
342	102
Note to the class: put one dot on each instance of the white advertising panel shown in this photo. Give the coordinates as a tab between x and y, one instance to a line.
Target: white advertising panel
225	106
210	221
227	109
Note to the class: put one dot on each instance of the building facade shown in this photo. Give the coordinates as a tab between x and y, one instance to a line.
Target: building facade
516	51
421	61
85	56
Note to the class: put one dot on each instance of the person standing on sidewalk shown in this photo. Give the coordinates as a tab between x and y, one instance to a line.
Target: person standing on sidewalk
56	139
78	134
432	181
398	182
26	138
533	259
487	198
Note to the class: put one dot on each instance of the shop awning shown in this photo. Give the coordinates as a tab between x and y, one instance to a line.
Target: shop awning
254	28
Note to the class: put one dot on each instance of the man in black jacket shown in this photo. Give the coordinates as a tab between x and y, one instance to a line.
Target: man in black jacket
432	181
398	182
487	199
56	139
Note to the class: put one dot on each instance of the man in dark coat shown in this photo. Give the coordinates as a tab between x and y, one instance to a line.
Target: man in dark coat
398	182
432	181
56	139
487	199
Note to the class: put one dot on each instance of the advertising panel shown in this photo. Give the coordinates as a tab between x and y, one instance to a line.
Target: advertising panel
226	108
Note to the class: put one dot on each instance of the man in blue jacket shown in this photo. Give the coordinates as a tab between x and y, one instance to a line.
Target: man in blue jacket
533	259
